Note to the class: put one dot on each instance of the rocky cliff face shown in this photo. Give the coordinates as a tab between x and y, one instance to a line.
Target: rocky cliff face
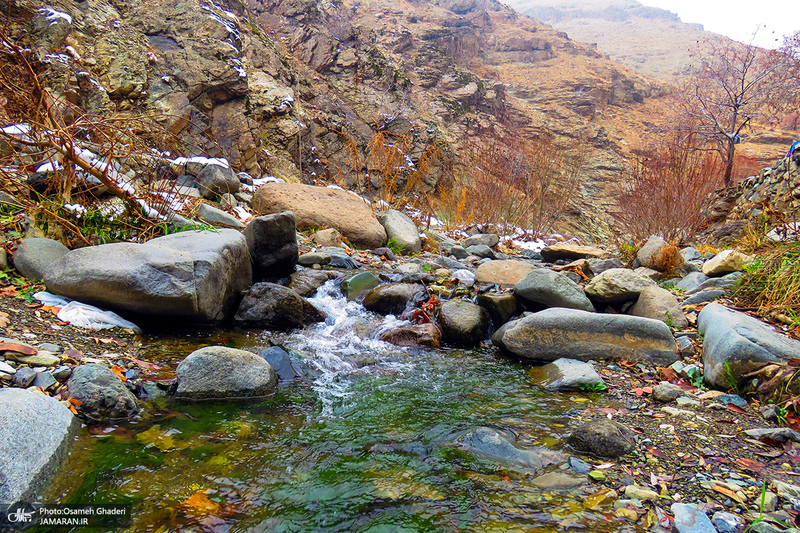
296	88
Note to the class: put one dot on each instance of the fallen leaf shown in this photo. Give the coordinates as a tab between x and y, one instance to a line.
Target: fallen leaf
143	364
19	348
5	320
642	390
99	340
74	411
728	492
200	504
120	372
658	453
755	466
51	309
75	401
668	374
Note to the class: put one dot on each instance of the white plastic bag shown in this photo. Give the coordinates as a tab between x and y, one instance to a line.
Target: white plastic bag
83	315
464	276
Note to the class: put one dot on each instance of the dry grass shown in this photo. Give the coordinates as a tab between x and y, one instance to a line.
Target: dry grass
772	283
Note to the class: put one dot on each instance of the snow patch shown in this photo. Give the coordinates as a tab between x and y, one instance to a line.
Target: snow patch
52	16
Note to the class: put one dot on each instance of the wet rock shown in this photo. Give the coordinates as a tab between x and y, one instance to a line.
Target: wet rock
193	275
270	306
552	289
414	335
603	437
281	362
305	282
357	285
272	241
499	446
344	262
735	344
558	332
401	230
221	373
391	299
639	493
566	375
463	323
725	262
557	480
314	258
102	395
486	239
660	304
35	254
315	207
500	306
36	432
507	272
553	253
667	392
689	519
617	285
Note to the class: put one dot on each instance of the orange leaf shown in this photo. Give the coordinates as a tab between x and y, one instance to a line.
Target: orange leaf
199	503
642	390
19	348
119	372
75	401
74	411
727	492
51	308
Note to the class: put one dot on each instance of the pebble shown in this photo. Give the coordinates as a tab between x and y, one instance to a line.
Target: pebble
639	493
44	380
688	402
62	373
597	475
689	519
686	348
5	368
41	359
579	465
50	347
738	401
672	411
24	377
667	392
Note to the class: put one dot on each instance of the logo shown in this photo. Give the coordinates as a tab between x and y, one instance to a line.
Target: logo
20	515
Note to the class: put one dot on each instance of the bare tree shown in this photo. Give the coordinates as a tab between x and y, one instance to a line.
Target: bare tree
735	87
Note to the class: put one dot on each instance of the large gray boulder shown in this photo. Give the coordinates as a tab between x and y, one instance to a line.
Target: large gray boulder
275	307
315	207
36	432
193	275
486	239
463	323
35	254
391	299
552	289
402	230
658	303
100	394
617	285
735	344
272	241
222	373
557	332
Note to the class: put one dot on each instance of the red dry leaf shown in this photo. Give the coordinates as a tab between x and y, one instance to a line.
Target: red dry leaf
668	374
119	372
74	411
658	453
19	348
727	492
755	466
75	401
638	391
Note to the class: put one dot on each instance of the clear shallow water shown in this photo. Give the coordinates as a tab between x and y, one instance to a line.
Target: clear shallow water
369	443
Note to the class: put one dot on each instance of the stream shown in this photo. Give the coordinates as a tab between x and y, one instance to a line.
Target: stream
376	438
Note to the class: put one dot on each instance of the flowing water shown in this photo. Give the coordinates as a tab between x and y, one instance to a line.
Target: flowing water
373	440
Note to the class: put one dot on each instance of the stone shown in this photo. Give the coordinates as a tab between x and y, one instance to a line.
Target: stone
24	377
690	254
598	266
485	239
639	493
603	438
391	299
617	285
401	231
557	480
272	242
507	272
685	346
557	332
649	254
35	254
414	335
36	432
647	273
281	363
566	375
497	445
776	434
357	285
725	262
667	392
725	282
193	275
660	304
328	237
222	373
314	258
735	344
316	207
385	252
708	295
689	519
726	522
344	262
691	281
5	368
305	282
216	179
463	323
481	250
44	380
567	251
40	359
551	289
270	306
500	306
218	217
101	394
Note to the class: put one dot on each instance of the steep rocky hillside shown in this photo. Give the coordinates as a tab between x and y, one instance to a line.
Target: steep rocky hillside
651	40
298	88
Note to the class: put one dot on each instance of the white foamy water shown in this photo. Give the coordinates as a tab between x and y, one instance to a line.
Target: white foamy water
347	345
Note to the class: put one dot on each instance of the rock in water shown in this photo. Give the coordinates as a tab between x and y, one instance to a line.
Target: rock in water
603	437
566	374
735	344
463	323
315	207
35	435
414	335
391	299
221	373
689	519
102	395
498	446
272	306
272	241
194	275
557	332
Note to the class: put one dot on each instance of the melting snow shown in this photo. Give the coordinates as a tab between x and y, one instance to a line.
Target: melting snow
54	16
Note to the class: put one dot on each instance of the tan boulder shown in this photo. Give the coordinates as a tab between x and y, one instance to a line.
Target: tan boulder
725	262
315	207
503	272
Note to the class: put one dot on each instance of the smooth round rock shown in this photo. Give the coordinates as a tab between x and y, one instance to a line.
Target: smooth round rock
222	373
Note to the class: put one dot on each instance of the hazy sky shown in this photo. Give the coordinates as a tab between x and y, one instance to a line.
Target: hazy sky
738	19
